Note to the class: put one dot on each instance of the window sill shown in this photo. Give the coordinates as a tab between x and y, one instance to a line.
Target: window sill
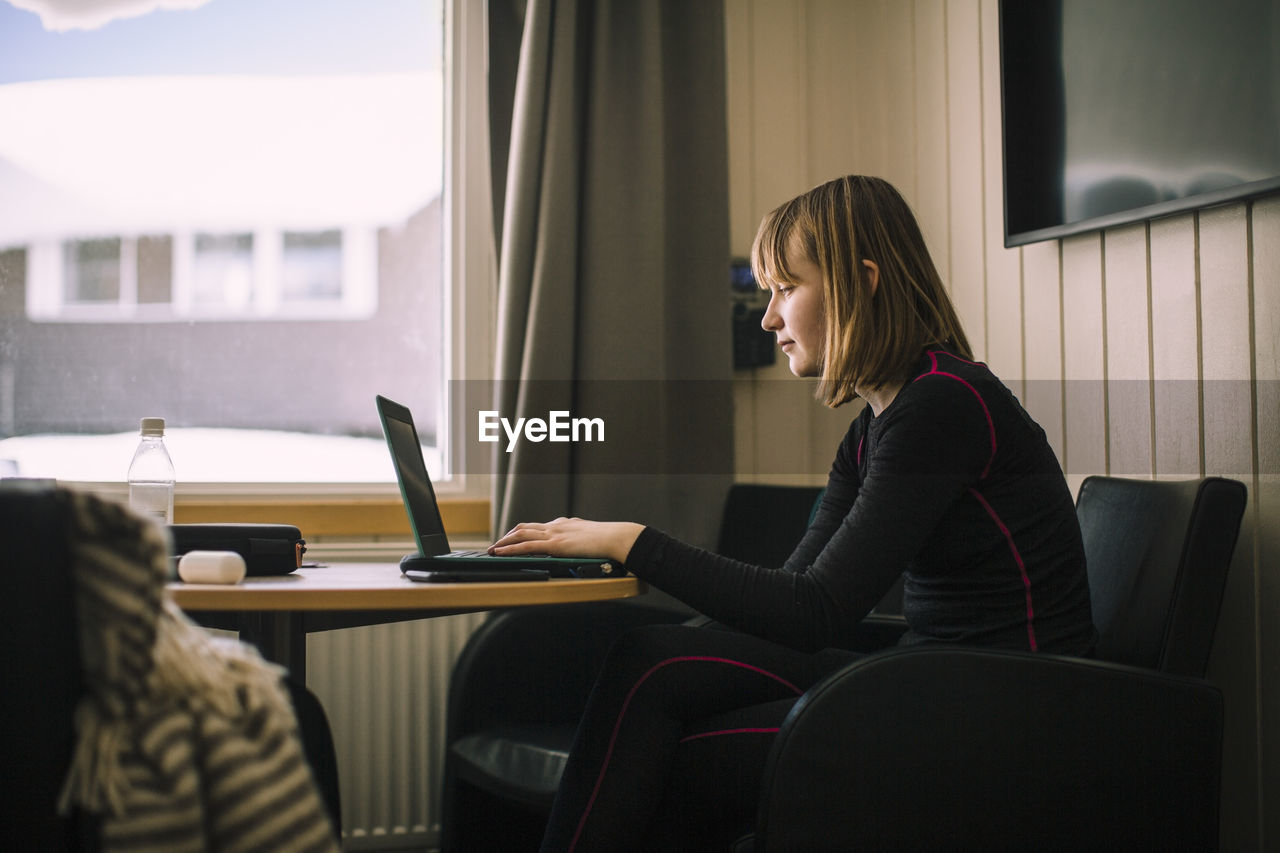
336	519
354	512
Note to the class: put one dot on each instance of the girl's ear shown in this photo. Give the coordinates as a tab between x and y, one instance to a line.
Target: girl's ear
873	275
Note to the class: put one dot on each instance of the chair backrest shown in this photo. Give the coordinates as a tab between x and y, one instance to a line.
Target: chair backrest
763	523
41	672
1158	554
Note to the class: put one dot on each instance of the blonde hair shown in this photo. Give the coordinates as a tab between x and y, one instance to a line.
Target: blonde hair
873	337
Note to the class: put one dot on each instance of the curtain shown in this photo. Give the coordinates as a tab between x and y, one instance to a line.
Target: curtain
613	264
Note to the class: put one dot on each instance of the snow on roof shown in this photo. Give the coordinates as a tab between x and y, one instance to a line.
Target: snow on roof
85	157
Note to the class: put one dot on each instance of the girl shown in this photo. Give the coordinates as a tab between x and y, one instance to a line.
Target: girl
942	479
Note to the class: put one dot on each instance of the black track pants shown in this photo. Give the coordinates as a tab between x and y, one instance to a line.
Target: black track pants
672	744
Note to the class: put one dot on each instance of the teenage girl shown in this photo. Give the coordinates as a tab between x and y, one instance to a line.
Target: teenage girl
942	479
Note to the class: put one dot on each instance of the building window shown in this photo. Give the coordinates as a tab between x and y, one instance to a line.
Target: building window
263	275
91	271
311	267
237	217
222	272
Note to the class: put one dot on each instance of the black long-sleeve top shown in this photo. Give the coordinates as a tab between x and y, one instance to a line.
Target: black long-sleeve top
954	486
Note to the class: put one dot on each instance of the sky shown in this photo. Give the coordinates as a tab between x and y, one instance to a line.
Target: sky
228	36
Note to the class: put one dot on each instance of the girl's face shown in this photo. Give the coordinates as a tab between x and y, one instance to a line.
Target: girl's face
795	315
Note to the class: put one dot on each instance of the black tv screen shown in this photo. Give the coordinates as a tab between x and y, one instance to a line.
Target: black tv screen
1118	111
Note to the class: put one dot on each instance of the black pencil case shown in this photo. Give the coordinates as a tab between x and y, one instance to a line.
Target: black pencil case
268	549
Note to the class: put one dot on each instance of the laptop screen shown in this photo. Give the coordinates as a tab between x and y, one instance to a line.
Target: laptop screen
415	483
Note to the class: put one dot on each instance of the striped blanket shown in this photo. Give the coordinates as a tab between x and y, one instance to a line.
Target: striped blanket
185	742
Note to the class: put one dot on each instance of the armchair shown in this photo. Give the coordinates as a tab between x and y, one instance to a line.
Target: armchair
41	660
970	749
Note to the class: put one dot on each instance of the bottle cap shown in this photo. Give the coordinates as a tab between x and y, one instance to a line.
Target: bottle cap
153	426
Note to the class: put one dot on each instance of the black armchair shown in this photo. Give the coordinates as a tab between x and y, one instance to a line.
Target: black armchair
41	661
967	749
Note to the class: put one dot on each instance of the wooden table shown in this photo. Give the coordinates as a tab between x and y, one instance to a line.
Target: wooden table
276	613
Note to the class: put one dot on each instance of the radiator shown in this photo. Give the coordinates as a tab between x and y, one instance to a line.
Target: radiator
384	688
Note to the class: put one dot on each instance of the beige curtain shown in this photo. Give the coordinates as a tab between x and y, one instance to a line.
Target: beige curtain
613	264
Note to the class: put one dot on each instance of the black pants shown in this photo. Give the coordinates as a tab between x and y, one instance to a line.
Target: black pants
673	741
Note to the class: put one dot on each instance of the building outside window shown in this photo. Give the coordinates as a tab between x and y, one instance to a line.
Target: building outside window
232	216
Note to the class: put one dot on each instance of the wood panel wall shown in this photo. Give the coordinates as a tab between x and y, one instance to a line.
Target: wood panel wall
1145	350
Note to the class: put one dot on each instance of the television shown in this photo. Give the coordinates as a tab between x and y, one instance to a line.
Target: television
1119	111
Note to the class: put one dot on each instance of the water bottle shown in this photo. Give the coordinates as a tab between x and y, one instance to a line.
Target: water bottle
151	474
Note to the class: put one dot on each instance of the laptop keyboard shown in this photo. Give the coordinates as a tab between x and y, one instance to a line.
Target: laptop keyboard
487	554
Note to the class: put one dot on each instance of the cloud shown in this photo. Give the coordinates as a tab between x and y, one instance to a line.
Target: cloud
63	15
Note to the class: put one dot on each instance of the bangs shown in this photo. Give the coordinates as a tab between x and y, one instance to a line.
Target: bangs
773	239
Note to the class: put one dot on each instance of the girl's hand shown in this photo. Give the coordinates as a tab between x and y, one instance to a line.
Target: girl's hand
569	537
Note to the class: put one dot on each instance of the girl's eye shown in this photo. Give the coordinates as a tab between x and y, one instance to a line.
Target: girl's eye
785	290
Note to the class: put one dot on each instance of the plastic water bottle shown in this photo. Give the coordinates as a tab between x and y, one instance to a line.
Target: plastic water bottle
151	474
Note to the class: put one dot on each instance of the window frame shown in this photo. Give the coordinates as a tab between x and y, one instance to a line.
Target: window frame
469	272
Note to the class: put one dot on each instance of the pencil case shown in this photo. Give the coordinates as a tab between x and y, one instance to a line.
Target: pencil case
268	549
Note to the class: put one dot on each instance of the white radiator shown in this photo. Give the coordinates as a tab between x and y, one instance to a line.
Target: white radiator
384	689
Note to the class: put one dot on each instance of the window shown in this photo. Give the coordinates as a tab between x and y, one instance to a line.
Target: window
311	269
240	217
222	272
91	272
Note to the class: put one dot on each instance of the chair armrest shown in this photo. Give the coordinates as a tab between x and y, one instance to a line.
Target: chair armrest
537	665
879	631
1001	750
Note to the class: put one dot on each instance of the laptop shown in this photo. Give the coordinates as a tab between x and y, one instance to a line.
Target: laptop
435	561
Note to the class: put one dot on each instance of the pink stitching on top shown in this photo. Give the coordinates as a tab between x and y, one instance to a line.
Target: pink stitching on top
1017	557
934	355
744	731
991	426
627	702
1008	535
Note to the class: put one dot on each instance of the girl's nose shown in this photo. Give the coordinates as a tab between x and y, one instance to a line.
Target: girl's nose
771	322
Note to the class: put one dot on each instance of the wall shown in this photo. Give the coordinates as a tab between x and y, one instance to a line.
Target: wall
1146	350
